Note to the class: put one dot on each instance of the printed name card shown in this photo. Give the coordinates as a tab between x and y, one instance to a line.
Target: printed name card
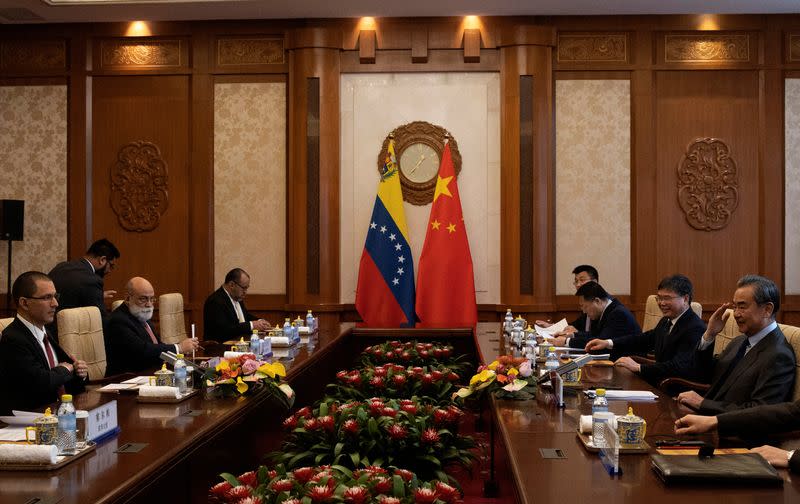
102	421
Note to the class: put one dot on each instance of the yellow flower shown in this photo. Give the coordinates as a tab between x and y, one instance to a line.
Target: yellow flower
223	366
241	386
483	376
512	372
493	365
272	370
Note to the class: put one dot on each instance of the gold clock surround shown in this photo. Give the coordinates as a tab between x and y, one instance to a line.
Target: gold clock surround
419	193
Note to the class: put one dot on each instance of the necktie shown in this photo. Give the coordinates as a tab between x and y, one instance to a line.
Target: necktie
150	333
52	361
588	326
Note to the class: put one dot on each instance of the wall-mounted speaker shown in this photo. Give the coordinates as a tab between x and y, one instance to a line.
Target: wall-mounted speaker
12	219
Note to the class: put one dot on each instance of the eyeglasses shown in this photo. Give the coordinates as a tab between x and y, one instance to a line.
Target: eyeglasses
145	299
241	286
666	299
46	297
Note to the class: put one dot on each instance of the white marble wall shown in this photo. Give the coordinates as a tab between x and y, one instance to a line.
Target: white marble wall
466	104
593	216
33	143
250	183
792	186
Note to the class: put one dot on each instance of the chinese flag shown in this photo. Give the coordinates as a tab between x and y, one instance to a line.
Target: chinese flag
445	285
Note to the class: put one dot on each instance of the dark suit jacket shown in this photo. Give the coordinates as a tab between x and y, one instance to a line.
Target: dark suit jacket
580	322
616	321
128	346
78	285
764	376
673	350
26	380
220	320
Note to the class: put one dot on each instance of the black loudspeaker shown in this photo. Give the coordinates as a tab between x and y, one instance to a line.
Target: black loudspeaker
12	219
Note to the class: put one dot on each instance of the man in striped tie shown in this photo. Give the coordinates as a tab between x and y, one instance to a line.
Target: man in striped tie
132	344
34	370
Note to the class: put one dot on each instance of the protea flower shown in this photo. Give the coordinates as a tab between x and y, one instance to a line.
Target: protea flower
389	355
424	496
409	408
397	431
389	500
312	424
375	470
389	412
271	473
249	478
320	493
405	356
398	368
417	370
356	495
350	426
326	422
220	489
453	377
292	501
383	485
379	371
428	345
250	500
406	475
377	381
236	493
282	485
341	375
446	351
424	354
446	492
436	375
303	412
427	379
441	416
430	436
355	380
303	474
376	404
290	422
399	380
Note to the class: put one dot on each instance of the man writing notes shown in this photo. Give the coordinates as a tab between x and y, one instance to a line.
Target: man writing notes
755	368
224	313
34	370
672	340
81	282
752	422
609	318
581	274
132	344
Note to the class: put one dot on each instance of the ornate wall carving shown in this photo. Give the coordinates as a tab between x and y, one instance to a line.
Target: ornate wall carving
139	186
592	47
706	48
151	53
250	51
708	185
33	55
794	47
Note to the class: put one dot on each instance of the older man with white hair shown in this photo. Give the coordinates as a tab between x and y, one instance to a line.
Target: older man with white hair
132	344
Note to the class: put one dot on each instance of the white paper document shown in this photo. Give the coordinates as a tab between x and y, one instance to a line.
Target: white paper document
548	332
116	387
139	380
627	395
12	434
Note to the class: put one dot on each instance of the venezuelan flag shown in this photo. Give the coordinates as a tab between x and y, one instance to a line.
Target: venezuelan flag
385	292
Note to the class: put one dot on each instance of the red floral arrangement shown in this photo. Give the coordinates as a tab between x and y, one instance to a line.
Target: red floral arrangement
434	383
371	485
415	353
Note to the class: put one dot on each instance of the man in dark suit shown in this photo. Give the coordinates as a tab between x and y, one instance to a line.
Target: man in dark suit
767	419
581	274
755	368
224	313
34	370
672	340
80	282
609	318
132	344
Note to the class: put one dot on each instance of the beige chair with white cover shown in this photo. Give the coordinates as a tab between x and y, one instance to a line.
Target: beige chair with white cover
652	314
170	318
5	322
728	333
792	334
80	334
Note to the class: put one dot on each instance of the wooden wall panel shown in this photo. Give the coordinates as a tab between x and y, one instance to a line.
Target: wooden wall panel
153	109
699	104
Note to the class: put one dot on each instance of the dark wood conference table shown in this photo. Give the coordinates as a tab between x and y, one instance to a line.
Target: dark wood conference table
527	426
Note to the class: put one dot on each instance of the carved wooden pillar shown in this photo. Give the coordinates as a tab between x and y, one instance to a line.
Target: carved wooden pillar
528	192
313	192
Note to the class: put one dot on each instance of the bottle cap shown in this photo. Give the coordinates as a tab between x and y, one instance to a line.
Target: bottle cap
309	312
552	349
600	392
81	413
180	356
66	398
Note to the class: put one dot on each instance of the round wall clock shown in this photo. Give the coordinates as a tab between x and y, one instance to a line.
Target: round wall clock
418	147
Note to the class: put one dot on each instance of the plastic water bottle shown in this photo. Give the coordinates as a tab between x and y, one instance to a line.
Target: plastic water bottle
298	323
551	364
266	347
255	344
599	417
67	426
180	373
287	331
310	321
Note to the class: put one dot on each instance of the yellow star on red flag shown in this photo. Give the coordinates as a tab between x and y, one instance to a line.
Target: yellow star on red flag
441	187
435	224
451	228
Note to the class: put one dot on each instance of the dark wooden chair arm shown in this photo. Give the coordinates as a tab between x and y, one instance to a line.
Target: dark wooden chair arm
675	385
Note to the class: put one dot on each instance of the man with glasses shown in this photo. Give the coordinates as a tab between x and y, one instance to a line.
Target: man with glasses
672	340
581	274
224	313
34	370
755	368
81	282
132	344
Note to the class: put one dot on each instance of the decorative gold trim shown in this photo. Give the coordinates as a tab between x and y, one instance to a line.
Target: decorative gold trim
141	53
419	193
250	51
708	185
139	194
794	47
600	47
706	48
33	55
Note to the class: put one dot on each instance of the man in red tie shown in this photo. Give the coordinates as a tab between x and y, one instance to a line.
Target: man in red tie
34	370
131	343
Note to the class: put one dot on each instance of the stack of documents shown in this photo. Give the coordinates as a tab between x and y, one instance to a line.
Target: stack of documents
132	384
